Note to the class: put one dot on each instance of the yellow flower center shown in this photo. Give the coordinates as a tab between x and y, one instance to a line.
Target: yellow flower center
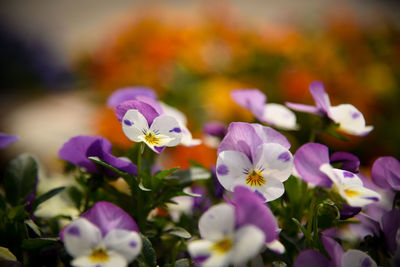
151	138
255	178
99	255
223	246
351	193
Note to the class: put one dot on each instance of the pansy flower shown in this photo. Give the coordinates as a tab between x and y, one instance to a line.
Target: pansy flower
312	163
254	156
251	209
213	133
142	123
222	243
349	118
6	140
78	149
273	114
385	173
104	236
148	96
338	258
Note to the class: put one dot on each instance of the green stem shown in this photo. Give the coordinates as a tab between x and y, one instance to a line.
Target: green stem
139	201
310	220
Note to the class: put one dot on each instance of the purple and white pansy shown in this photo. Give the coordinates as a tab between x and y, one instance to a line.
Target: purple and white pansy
349	118
312	163
338	258
104	236
276	115
255	156
222	243
142	123
147	96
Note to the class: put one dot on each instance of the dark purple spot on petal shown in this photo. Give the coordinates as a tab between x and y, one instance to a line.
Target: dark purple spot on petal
284	156
366	263
132	244
355	115
222	169
159	149
74	231
128	123
373	198
176	130
200	259
348	175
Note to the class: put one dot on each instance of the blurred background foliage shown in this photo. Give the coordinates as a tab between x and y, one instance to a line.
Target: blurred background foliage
193	62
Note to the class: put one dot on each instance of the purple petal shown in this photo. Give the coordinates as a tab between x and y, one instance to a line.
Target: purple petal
347	211
6	140
250	99
303	108
145	109
152	102
390	227
311	258
129	93
321	98
334	250
385	173
349	162
269	135
108	216
77	150
369	223
307	161
250	209
215	128
241	137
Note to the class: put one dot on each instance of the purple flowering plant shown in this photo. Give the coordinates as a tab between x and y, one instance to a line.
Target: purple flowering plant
273	198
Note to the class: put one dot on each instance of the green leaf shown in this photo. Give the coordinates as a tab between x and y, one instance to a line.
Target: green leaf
182	263
149	255
108	166
33	226
6	255
38	243
20	178
18	213
164	173
76	196
46	196
179	232
192	174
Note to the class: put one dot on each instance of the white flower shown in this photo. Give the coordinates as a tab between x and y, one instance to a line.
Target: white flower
164	130
222	244
355	258
350	119
84	242
272	165
349	186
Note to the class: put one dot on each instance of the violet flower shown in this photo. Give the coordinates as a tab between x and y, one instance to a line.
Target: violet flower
129	93
103	236
338	257
312	164
6	140
385	173
349	118
254	156
77	150
273	114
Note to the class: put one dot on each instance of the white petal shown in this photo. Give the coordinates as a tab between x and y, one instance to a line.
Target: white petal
356	258
187	139
126	243
279	116
350	119
134	125
114	259
217	222
200	248
360	196
330	172
215	260
249	240
231	168
80	237
276	161
276	246
171	111
271	190
167	126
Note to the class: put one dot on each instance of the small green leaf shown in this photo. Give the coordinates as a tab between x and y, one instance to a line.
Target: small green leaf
18	213
6	255
164	173
192	174
182	263
20	178
179	232
46	196
149	255
33	226
143	188
102	163
38	243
